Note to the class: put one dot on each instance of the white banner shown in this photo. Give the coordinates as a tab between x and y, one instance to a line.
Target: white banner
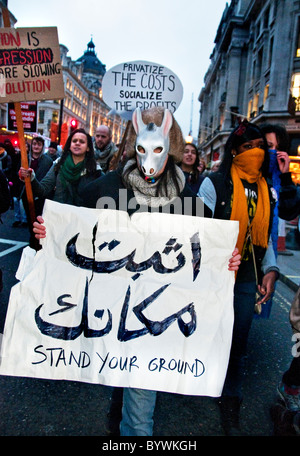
143	302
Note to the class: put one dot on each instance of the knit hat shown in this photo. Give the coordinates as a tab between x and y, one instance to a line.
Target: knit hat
53	145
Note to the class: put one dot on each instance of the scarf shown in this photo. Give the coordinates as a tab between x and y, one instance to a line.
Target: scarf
69	172
247	166
145	192
103	157
103	154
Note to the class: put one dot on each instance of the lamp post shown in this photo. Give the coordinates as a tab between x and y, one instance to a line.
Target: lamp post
189	138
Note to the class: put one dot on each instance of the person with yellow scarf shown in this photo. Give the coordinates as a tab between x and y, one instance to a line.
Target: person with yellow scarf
240	191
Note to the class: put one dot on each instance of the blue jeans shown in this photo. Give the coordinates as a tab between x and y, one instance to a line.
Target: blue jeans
244	300
138	404
137	412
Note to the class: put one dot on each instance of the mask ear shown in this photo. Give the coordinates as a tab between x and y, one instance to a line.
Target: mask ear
137	120
166	123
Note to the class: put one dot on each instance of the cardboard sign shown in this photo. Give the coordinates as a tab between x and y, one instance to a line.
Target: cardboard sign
141	84
30	65
142	302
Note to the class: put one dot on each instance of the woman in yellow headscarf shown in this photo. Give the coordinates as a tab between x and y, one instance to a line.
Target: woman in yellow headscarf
239	191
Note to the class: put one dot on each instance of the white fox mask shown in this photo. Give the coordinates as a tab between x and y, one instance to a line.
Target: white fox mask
152	143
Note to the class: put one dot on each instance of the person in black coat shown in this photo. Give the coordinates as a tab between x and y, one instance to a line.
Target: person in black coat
289	198
16	186
66	180
190	166
4	193
5	161
240	191
41	164
151	180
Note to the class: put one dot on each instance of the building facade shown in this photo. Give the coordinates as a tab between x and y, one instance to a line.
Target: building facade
254	72
83	98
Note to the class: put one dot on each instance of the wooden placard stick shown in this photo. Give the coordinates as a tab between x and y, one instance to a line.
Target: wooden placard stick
24	161
20	128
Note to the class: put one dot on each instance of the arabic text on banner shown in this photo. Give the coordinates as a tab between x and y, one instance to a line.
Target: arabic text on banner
143	302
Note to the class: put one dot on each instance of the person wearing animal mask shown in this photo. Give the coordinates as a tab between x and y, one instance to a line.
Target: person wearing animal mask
151	175
152	179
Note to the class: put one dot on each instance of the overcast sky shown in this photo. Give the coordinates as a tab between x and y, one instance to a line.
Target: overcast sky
178	34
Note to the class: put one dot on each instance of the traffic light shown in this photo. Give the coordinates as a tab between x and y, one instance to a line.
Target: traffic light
73	125
54	131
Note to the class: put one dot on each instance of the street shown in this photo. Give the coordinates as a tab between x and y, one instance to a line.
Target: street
34	407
